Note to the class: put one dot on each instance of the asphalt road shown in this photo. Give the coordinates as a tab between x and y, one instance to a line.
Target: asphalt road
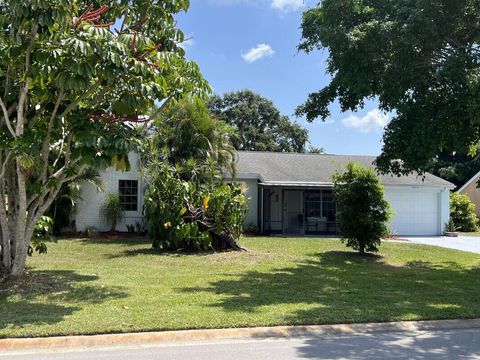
438	345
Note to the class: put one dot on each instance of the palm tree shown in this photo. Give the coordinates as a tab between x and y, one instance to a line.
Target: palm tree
192	140
63	207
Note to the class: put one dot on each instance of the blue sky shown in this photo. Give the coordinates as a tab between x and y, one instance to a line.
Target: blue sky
251	44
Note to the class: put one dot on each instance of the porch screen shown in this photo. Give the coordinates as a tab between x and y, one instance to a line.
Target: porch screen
320	204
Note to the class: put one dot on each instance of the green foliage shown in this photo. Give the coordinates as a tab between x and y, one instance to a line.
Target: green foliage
420	59
259	123
462	212
64	206
187	205
43	232
90	70
315	150
170	204
74	75
187	136
455	168
362	211
450	226
112	211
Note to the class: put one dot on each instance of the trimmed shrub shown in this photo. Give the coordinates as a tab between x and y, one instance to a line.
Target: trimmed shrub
462	212
362	211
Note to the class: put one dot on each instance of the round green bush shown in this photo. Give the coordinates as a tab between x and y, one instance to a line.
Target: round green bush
462	212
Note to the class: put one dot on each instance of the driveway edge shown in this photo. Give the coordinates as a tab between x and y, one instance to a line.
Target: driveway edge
165	337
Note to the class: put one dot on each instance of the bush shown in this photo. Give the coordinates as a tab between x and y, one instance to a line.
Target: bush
43	232
362	211
184	215
462	212
111	211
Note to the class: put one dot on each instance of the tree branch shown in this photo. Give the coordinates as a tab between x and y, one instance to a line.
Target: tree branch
4	166
6	117
75	103
24	91
46	141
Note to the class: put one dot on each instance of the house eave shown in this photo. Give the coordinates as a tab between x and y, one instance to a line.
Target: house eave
472	179
301	184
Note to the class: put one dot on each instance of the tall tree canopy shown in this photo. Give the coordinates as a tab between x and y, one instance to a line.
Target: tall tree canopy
187	204
457	169
72	73
259	123
421	59
188	137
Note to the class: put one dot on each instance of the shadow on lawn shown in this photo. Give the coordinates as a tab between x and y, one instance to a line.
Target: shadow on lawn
344	287
440	345
133	241
152	251
46	297
130	243
169	253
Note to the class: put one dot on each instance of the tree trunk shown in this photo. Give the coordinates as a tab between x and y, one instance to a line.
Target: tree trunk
18	217
4	233
362	249
224	240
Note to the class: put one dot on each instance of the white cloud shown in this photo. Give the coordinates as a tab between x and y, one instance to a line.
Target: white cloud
287	5
374	120
258	52
282	5
188	43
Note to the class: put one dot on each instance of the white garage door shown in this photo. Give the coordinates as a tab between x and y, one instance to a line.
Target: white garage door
416	211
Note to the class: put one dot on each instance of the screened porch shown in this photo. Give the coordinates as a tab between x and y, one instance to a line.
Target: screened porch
294	211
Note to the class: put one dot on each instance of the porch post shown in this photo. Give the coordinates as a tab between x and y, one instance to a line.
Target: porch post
261	202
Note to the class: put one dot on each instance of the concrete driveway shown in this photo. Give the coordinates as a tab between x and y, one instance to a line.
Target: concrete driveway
465	243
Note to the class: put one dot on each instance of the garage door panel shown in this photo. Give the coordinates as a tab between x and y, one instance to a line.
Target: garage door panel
416	211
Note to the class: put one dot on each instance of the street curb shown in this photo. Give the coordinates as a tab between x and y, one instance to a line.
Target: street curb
165	337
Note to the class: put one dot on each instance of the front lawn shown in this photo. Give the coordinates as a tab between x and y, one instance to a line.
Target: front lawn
103	286
472	233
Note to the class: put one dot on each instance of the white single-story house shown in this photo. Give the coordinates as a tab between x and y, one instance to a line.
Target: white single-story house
291	194
471	189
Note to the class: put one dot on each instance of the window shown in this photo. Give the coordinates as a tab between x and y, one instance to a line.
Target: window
328	205
320	203
128	191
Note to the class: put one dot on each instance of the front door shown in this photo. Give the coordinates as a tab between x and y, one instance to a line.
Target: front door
293	212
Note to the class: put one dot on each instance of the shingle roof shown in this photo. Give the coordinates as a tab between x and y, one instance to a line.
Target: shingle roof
315	169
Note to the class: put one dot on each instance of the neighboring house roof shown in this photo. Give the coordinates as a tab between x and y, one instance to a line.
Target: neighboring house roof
295	169
475	177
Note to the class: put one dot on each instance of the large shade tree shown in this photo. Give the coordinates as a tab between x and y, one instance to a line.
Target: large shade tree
259	123
456	168
73	75
420	59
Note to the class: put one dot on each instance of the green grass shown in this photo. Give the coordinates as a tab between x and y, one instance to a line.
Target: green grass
104	286
471	233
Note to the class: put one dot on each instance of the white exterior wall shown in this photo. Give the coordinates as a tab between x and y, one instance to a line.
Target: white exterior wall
252	199
413	205
88	209
444	199
418	210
